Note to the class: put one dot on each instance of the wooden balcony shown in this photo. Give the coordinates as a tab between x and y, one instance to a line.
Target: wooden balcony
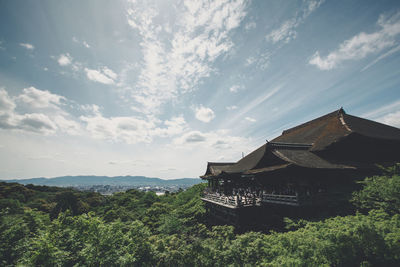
234	202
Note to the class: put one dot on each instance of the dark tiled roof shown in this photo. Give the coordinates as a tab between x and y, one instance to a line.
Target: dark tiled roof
319	132
371	128
215	168
306	158
298	145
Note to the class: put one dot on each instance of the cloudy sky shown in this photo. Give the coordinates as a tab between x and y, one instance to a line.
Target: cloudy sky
160	88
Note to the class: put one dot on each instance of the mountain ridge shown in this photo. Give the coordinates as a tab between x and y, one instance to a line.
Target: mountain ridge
127	180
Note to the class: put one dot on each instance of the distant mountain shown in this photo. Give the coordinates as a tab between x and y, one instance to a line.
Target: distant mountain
106	180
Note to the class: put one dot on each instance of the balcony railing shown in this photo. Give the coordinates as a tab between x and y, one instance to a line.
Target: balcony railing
246	201
231	201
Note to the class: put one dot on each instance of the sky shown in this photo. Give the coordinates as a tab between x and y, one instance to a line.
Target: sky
159	88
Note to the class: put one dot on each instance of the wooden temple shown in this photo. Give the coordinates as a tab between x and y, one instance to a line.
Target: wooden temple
310	169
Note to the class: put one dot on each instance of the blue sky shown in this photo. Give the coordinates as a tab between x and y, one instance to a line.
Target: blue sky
158	88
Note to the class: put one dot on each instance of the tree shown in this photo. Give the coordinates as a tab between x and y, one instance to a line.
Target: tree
380	192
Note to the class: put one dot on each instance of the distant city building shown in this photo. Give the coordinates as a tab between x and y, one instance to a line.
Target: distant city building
309	169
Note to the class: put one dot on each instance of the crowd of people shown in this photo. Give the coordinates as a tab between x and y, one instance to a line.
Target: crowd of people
248	196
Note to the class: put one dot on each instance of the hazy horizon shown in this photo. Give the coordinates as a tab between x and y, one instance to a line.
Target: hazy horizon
159	88
29	178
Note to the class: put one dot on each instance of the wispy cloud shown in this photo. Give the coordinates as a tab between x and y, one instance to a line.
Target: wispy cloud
392	118
84	43
287	31
251	105
362	44
388	53
231	107
388	114
235	88
181	50
250	25
261	61
250	119
104	75
204	114
27	46
379	112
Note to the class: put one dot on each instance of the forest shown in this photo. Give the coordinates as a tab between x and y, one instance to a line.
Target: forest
51	226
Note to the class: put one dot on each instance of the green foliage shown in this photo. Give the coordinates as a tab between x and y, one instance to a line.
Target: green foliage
142	229
380	192
15	232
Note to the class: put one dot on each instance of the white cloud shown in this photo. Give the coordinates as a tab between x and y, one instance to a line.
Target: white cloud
391	119
36	122
250	25
109	73
64	59
132	130
214	140
175	61
234	88
92	109
47	117
250	119
250	61
6	103
27	46
193	137
231	107
40	99
7	106
204	114
174	126
287	31
67	125
85	44
105	75
362	44
67	60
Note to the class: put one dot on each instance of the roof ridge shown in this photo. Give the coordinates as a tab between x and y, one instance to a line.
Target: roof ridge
338	112
345	125
220	163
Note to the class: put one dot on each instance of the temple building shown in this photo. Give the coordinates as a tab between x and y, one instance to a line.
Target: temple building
309	169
